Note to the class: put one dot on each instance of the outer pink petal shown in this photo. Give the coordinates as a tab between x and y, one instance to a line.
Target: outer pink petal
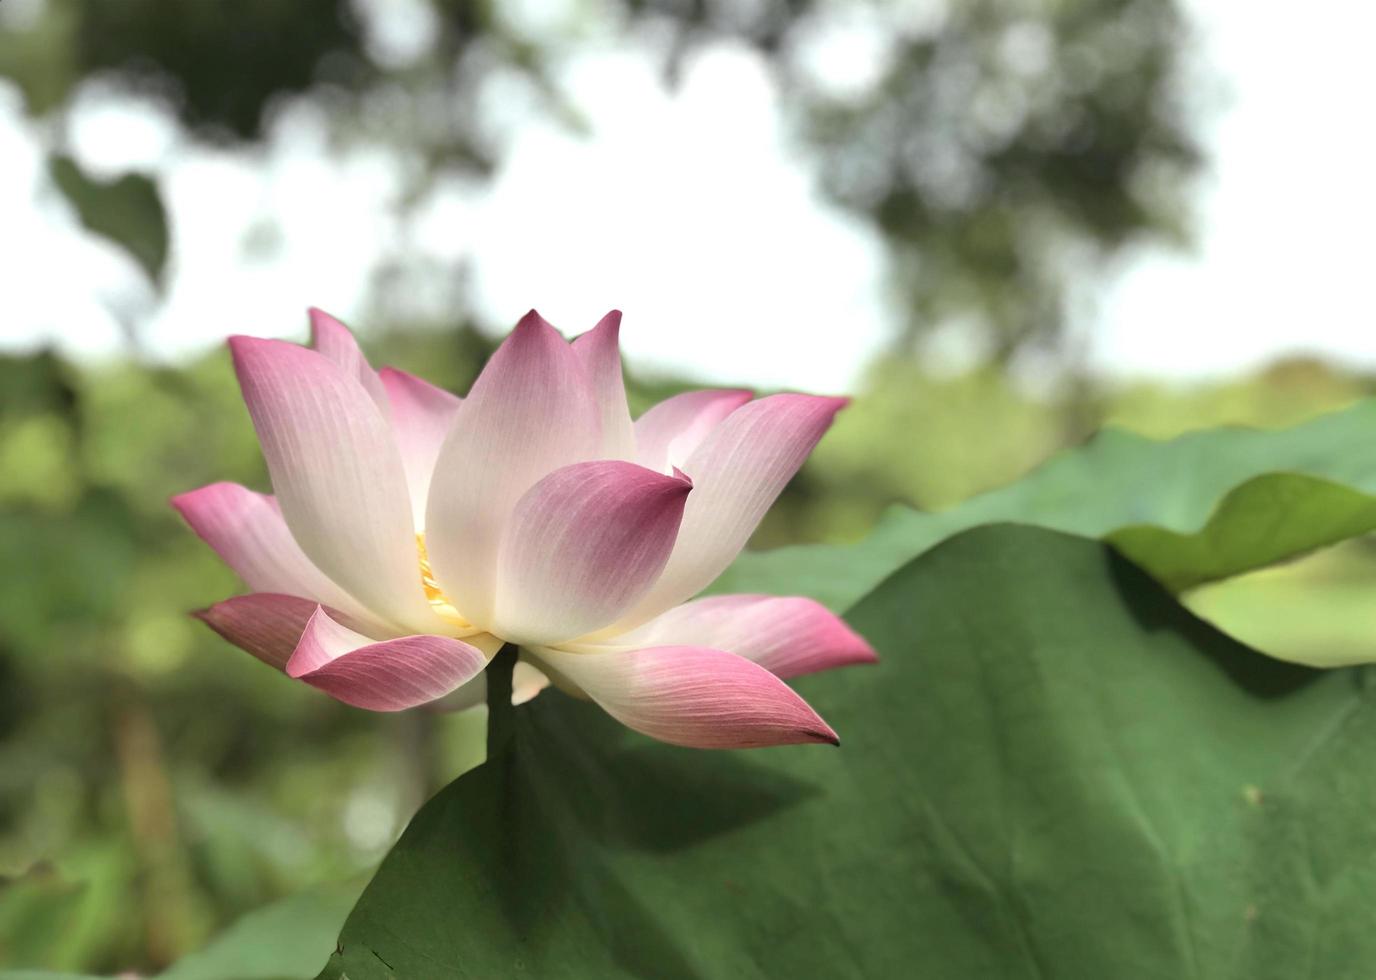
338	475
265	624
530	412
391	675
581	546
335	341
787	636
737	472
601	357
693	696
421	417
667	434
247	531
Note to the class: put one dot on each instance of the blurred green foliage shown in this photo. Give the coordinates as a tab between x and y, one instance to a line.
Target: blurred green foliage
156	784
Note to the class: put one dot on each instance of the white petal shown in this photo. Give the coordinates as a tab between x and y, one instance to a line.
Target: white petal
581	546
337	343
247	531
421	417
667	434
337	474
601	357
530	412
737	472
693	696
788	636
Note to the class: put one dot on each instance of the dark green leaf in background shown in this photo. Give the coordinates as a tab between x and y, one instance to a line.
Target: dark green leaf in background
1056	771
127	210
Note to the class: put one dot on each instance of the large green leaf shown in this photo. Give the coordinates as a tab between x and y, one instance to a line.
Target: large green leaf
1204	507
1055	770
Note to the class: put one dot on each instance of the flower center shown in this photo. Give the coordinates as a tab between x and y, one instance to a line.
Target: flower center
433	593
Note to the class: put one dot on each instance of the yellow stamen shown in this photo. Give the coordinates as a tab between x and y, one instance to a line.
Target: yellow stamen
436	597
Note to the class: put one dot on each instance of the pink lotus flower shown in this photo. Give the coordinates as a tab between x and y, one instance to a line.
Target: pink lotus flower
413	533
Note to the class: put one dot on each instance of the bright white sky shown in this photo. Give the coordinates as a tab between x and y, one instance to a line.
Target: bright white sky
694	215
1287	214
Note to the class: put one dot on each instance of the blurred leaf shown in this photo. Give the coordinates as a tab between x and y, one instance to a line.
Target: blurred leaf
1316	610
1262	521
1055	770
36	383
127	210
37	910
39	56
1203	507
279	942
46	565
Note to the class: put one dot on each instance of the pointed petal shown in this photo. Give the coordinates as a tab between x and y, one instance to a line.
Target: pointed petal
530	412
693	696
787	636
338	475
581	546
265	624
667	434
337	343
421	417
247	531
390	675
601	357
737	472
